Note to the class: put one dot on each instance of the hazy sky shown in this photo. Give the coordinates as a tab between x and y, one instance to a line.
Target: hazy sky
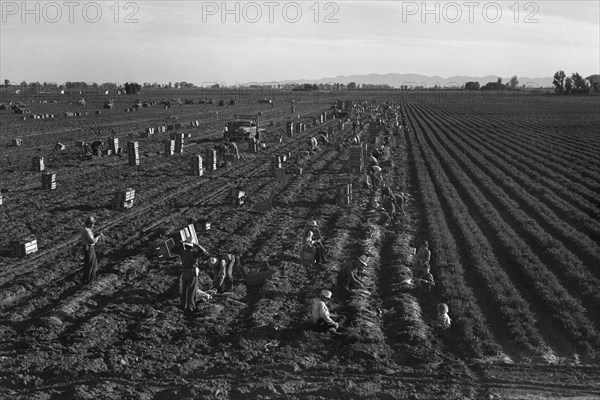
263	41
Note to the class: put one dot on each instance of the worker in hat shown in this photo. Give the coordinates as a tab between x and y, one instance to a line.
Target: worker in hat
424	279
222	270
443	319
316	241
349	280
423	256
322	318
376	178
88	243
188	280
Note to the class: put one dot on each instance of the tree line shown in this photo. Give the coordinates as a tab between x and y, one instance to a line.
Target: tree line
575	84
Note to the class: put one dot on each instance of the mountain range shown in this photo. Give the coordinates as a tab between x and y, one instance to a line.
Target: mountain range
396	80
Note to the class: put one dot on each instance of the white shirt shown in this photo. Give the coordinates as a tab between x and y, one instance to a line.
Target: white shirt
320	310
87	236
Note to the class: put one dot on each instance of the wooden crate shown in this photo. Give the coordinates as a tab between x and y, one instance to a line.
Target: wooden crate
188	232
343	200
125	195
169	147
118	205
202	225
196	165
37	164
344	190
23	247
48	181
79	144
162	248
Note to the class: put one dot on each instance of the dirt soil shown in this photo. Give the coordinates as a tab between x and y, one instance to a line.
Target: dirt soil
124	335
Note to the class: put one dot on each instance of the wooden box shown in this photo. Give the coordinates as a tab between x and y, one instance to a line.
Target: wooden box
23	247
125	195
343	200
37	164
196	165
307	257
202	225
48	181
118	205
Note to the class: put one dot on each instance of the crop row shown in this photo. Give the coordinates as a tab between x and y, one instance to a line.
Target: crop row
569	311
572	192
446	264
479	255
534	183
500	186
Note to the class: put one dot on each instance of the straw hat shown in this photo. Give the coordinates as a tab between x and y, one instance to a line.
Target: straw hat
326	294
312	223
364	260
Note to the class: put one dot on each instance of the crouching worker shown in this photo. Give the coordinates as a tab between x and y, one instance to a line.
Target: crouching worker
222	269
443	319
323	320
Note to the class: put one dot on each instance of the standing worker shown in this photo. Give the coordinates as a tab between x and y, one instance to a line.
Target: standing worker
222	269
88	242
317	242
188	281
233	148
376	179
348	280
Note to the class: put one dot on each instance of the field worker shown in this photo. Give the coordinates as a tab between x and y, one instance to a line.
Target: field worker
222	269
97	147
349	280
322	138
188	280
233	149
424	279
88	242
354	125
423	255
323	320
355	139
443	319
312	144
317	242
376	179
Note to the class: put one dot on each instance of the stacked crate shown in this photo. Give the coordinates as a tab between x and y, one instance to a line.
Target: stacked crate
23	247
178	138
133	153
277	167
37	164
212	160
202	225
236	196
356	160
290	128
169	147
123	199
297	127
196	164
344	194
113	144
48	181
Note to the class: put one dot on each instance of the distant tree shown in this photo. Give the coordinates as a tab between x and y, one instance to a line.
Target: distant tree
580	85
170	85
494	85
568	85
215	86
6	83
315	86
352	85
132	87
472	86
559	81
594	81
176	85
513	83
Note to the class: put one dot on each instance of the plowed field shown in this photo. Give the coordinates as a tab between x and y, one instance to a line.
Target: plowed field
506	193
